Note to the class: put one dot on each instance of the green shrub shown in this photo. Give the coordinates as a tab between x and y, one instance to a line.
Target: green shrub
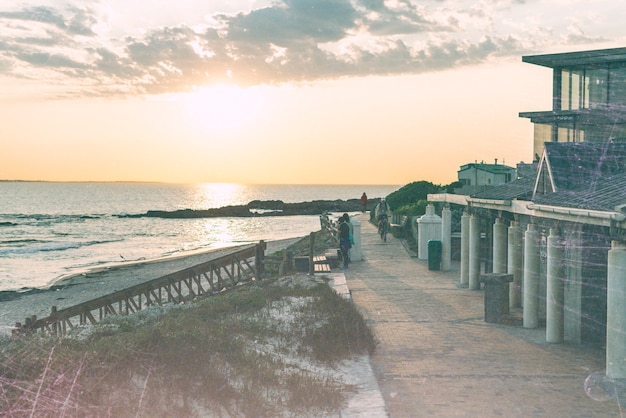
413	209
411	193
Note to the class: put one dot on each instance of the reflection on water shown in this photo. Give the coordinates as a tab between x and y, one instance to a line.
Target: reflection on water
216	195
49	230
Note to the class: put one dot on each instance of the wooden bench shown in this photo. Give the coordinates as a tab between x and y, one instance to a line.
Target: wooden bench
332	256
320	264
321	268
397	224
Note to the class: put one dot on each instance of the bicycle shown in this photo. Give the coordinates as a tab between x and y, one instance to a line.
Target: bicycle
383	228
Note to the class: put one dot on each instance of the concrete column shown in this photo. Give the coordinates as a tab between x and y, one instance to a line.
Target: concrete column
514	265
531	278
555	287
355	252
465	227
446	238
573	286
499	246
474	253
616	312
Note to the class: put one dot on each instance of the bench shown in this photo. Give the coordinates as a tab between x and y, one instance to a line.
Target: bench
332	256
397	224
320	264
398	221
321	268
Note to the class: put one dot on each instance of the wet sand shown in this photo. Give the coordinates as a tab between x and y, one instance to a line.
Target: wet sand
75	289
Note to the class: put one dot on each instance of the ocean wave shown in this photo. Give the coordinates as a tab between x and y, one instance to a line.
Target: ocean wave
48	218
19	241
44	246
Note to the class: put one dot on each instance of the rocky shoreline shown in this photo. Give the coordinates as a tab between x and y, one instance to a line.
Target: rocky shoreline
262	208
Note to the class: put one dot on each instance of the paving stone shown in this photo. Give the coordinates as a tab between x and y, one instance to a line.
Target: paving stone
438	357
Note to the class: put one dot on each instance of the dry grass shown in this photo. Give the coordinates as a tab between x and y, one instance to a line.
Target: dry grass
263	350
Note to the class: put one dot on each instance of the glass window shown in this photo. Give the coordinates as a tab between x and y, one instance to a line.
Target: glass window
596	82
575	88
567	134
565	83
563	134
617	86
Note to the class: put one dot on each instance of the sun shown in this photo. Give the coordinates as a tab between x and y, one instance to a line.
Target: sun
224	107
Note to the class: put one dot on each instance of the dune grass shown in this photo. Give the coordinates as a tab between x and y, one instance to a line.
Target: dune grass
263	350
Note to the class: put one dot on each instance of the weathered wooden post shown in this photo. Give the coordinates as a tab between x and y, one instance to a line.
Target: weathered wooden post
283	268
55	324
311	248
258	259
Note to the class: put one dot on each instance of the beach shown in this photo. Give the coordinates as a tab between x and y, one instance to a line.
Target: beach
90	284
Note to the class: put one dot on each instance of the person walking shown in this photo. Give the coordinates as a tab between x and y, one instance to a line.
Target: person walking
363	202
343	231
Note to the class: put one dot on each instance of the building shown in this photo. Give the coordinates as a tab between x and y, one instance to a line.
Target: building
561	233
588	98
478	176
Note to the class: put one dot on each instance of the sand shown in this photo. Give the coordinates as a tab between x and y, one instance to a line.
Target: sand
366	401
90	284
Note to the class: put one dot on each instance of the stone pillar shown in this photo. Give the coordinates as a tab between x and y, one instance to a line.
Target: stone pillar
428	228
555	287
465	227
446	238
474	253
573	285
355	252
616	313
499	246
531	278
514	266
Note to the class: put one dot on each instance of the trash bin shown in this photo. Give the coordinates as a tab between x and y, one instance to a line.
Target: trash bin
301	263
496	296
434	255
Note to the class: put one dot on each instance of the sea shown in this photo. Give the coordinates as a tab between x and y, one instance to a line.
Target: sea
53	230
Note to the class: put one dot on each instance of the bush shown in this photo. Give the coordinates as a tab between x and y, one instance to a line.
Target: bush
412	209
411	193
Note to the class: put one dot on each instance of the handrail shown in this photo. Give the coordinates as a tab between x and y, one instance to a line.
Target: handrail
208	278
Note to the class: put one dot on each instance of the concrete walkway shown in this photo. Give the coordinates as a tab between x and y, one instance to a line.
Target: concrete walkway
437	356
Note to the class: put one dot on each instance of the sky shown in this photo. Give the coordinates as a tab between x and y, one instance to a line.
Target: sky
279	92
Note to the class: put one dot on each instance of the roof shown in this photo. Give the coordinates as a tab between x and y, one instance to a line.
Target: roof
577	59
490	168
607	194
588	176
574	166
520	189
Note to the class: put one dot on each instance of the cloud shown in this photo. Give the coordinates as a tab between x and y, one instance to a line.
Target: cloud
576	35
289	41
77	21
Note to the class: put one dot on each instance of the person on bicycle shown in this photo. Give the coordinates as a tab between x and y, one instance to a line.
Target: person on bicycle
382	212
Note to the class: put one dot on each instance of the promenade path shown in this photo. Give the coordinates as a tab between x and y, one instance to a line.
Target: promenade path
437	356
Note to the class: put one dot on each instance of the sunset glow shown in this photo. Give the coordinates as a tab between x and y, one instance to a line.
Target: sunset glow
258	92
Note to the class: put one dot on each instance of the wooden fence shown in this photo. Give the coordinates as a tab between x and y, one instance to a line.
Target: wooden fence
205	279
